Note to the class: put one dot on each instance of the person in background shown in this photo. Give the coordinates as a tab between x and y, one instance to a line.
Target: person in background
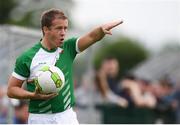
3	105
139	92
177	103
20	111
107	81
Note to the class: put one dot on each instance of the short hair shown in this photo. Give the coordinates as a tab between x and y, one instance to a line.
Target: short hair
49	15
110	57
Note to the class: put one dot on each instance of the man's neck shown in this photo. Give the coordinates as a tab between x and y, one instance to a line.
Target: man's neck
46	44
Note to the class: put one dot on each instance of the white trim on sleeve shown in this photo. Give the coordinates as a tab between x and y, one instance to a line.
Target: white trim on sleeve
77	48
18	76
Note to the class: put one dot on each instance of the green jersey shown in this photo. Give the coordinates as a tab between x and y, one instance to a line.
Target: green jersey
32	60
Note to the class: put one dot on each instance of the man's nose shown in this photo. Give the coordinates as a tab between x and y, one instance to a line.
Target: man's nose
62	32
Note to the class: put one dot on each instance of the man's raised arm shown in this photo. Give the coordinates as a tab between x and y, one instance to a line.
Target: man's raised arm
96	34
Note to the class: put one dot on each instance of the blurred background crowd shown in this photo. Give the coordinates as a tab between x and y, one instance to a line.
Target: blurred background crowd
131	99
130	77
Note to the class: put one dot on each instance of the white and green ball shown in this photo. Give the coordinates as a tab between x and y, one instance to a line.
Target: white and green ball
49	79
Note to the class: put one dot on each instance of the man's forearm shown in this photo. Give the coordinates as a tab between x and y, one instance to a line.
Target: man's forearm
96	34
19	93
90	38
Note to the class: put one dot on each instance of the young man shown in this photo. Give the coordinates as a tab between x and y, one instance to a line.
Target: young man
108	83
52	49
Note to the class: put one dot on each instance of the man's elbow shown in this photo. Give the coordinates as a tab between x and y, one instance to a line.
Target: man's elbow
9	93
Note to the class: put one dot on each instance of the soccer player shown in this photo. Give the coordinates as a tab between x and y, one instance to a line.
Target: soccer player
53	50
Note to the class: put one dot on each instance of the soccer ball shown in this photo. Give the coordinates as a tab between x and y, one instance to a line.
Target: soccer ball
49	79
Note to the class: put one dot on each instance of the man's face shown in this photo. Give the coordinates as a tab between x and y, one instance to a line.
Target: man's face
56	32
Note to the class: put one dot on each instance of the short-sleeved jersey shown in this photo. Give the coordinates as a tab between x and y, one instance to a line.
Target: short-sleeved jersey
32	60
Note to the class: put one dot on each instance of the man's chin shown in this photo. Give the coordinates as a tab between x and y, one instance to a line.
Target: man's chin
60	44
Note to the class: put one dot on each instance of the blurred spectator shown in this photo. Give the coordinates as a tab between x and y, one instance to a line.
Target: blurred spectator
177	104
139	91
83	93
110	68
3	105
164	91
20	111
107	81
87	98
164	94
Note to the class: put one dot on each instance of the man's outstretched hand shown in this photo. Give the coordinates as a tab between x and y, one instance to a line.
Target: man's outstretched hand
96	34
106	28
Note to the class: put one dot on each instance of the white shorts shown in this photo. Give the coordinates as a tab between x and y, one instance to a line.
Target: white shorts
66	117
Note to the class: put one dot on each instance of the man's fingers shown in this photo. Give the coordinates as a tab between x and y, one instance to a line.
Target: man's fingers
114	24
107	27
44	96
49	96
30	81
53	94
37	90
107	32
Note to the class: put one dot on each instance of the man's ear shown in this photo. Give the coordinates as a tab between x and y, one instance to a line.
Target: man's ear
45	29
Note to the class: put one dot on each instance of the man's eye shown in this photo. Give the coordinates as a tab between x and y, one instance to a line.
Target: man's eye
59	28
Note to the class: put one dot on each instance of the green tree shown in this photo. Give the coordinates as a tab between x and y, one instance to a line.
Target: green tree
128	52
6	7
27	13
25	21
